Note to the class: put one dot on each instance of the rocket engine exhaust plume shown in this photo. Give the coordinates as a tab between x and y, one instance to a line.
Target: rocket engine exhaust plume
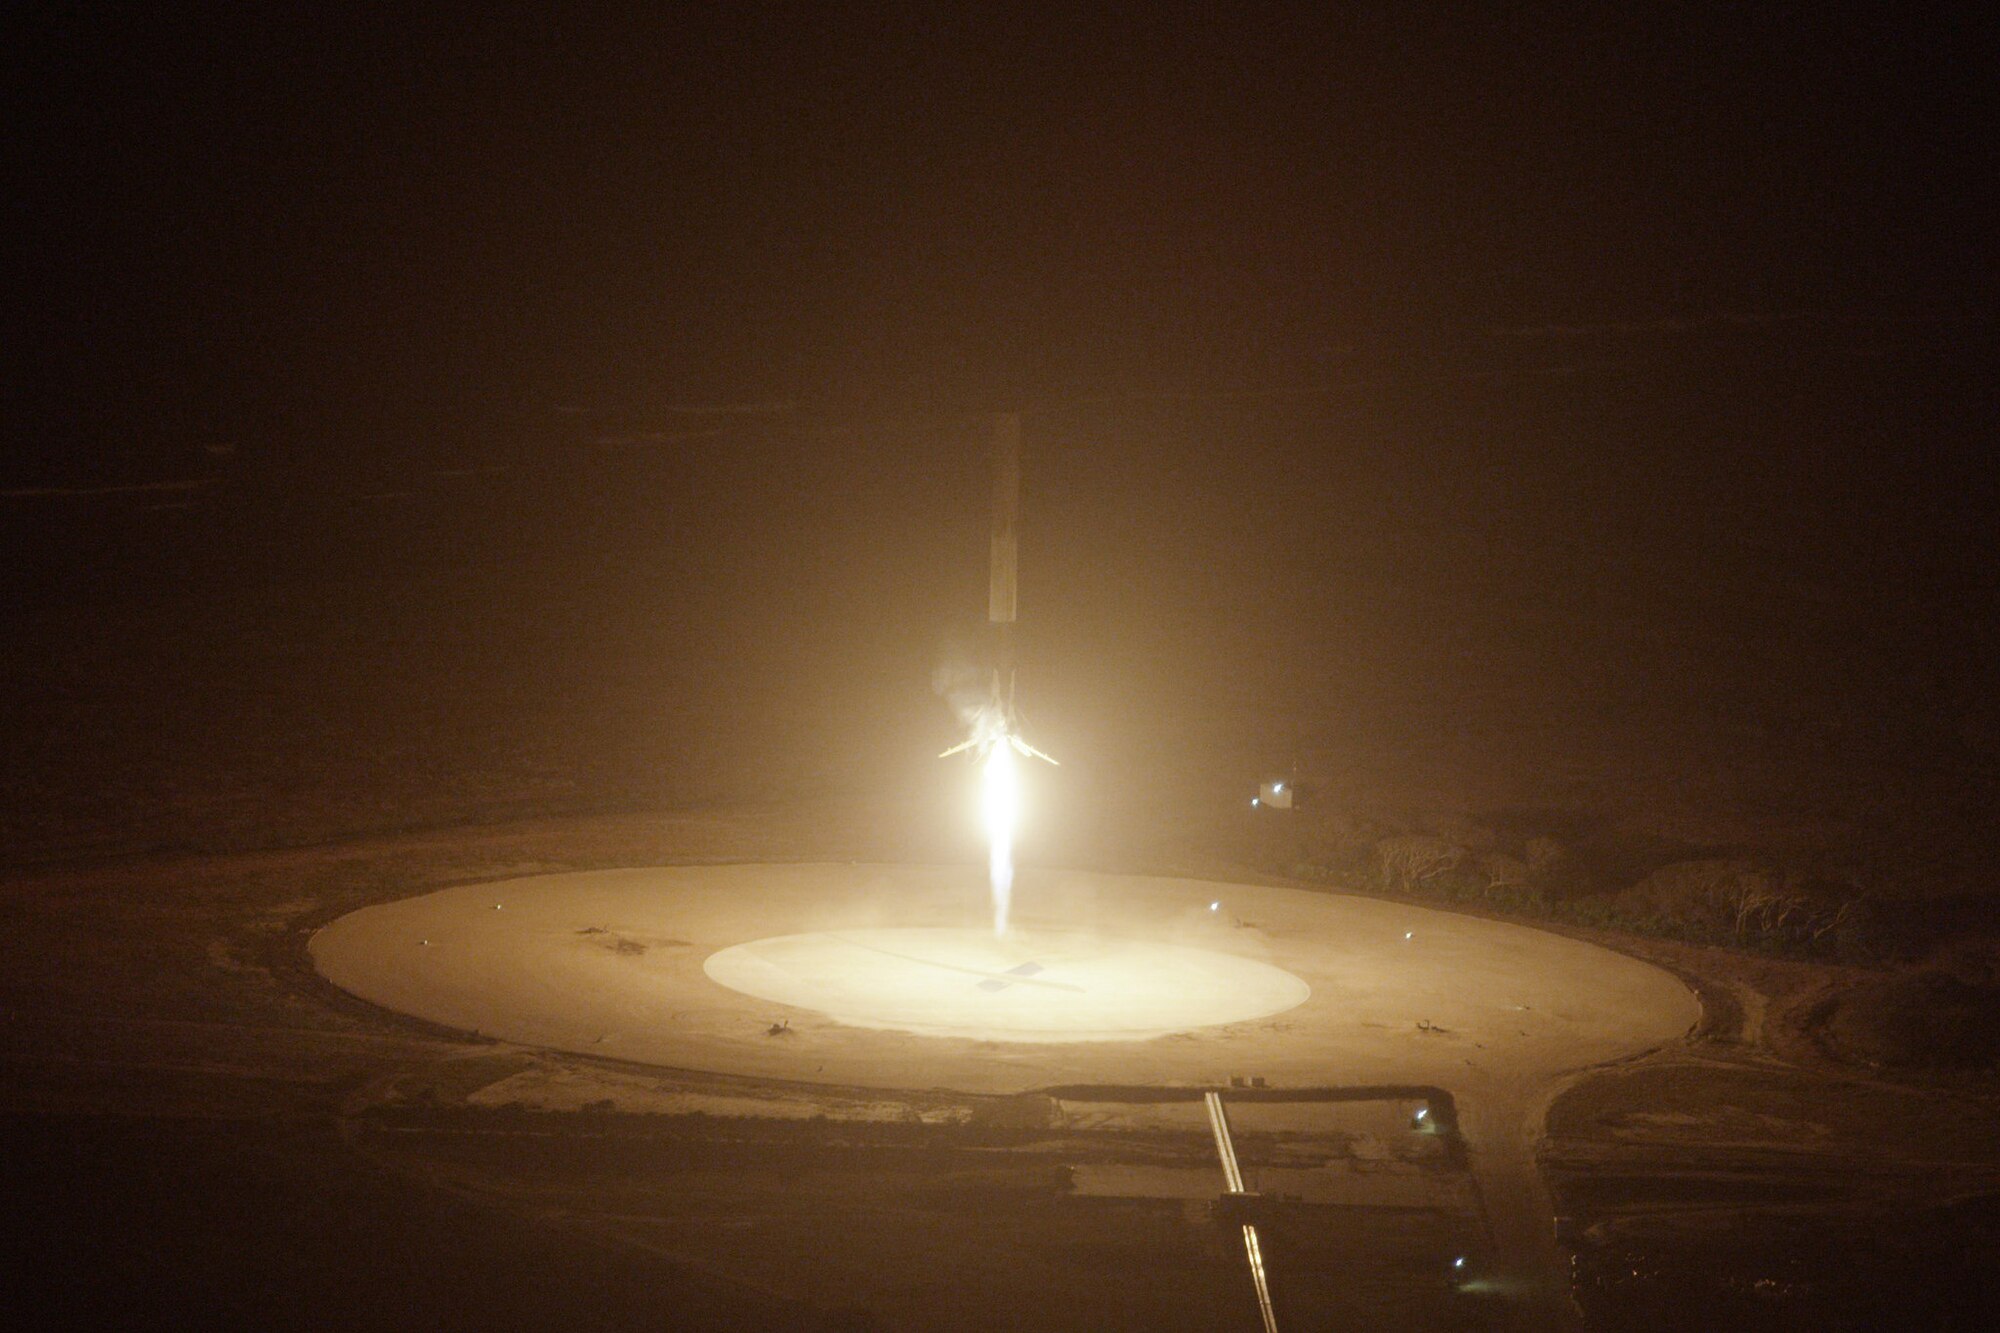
1000	798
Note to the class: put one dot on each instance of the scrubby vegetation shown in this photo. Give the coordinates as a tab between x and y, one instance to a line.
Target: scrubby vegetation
1933	1002
1646	886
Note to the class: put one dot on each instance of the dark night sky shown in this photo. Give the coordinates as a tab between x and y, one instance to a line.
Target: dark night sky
289	230
1621	373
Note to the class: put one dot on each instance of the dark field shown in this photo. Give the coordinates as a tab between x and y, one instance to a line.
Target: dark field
151	1223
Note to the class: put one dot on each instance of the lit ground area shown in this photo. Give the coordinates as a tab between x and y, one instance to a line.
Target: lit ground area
1029	985
872	976
230	1138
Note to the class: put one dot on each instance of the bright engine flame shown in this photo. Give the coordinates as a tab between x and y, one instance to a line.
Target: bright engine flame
1000	798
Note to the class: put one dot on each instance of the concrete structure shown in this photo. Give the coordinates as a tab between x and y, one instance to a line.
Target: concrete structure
888	976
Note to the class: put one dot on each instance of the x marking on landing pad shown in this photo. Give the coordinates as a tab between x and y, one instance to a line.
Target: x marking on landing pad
1022	974
1002	983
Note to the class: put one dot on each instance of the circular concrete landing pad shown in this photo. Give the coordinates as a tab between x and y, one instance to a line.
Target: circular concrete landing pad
1031	985
888	976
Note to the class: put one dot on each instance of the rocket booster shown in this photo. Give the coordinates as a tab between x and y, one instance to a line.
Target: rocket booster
998	725
1006	546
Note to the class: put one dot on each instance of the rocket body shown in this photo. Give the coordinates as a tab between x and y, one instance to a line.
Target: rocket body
994	735
1006	545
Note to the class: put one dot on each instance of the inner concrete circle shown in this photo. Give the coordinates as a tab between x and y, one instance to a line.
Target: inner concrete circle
1029	985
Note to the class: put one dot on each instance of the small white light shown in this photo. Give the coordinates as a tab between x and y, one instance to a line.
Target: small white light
1409	934
1215	906
1423	1112
1277	787
1458	1262
1255	801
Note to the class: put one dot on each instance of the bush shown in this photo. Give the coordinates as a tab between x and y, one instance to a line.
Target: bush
1743	903
1504	871
1712	899
1864	936
1555	869
1419	863
1731	901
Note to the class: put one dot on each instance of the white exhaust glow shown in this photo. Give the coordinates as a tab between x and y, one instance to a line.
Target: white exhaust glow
1000	798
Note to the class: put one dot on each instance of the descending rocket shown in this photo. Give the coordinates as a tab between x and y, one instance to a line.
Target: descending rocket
997	721
995	734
